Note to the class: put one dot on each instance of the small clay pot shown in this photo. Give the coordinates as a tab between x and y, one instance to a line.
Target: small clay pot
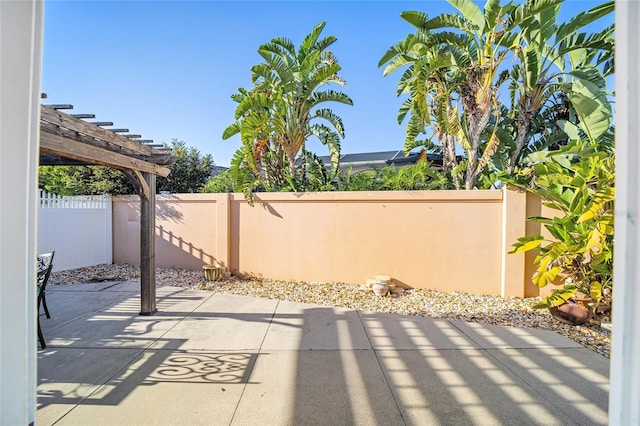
380	289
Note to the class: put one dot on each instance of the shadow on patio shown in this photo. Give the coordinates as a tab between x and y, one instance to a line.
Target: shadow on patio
222	359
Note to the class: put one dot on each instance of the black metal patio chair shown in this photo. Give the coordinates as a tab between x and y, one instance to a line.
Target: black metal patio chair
45	264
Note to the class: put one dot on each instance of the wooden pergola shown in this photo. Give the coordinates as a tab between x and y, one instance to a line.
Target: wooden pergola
67	139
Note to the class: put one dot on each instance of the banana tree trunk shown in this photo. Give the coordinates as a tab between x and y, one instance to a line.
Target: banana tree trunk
520	140
450	161
472	174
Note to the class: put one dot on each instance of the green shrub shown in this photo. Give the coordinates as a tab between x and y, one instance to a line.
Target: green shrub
580	184
222	182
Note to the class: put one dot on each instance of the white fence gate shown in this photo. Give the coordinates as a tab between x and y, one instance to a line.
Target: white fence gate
77	228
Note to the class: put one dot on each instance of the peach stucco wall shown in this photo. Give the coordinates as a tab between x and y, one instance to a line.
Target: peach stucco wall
422	239
185	230
536	208
447	240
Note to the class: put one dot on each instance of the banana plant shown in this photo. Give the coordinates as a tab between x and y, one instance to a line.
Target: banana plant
555	60
461	60
455	64
430	81
286	105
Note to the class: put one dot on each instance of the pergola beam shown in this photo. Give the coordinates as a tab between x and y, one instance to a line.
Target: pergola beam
63	146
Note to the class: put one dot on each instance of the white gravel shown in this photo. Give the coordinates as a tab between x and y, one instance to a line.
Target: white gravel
508	311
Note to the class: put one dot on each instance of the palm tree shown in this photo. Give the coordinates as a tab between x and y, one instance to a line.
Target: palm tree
283	109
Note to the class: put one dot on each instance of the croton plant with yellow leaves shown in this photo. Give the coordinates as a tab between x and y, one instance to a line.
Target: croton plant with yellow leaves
579	182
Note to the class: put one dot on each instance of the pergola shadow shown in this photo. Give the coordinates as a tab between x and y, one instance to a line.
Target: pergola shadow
227	359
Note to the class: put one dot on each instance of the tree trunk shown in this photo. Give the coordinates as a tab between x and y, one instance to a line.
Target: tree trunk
479	114
520	139
292	165
472	174
477	123
449	161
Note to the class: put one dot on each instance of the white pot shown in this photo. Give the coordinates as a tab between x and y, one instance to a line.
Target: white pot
380	289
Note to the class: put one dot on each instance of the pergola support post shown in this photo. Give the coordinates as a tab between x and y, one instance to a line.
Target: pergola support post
148	247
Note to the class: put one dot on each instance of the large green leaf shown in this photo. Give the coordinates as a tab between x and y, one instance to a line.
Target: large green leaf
584	18
233	129
415	18
570	129
592	106
532	67
523	12
492	11
542	278
558	297
450	20
471	12
590	74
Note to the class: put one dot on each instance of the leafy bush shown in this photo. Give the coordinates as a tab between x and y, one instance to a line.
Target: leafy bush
190	171
222	182
419	176
579	182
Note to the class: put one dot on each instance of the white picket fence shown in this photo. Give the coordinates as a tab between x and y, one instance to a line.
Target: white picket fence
53	201
77	228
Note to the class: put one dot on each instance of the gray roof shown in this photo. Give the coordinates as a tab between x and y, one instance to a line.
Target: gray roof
368	160
371	157
366	157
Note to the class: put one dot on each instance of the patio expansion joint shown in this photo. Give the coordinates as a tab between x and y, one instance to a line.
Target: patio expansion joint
244	388
382	370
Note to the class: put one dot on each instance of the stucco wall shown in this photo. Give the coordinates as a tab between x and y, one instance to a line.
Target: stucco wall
423	239
185	230
447	240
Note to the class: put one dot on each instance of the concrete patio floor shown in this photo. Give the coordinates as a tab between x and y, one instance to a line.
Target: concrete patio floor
213	359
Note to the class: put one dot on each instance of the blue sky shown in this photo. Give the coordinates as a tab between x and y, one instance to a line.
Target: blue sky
167	69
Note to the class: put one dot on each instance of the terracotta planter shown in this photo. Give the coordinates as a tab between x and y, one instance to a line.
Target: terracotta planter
572	313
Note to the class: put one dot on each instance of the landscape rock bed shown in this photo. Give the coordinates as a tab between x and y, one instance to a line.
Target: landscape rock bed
507	311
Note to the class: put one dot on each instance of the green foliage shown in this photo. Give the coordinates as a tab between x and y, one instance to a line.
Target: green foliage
189	173
577	181
222	182
283	110
455	64
311	175
83	180
416	177
366	180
